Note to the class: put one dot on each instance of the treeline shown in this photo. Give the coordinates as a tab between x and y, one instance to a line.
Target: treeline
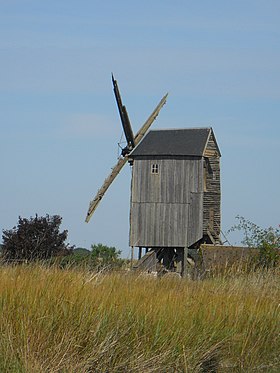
39	239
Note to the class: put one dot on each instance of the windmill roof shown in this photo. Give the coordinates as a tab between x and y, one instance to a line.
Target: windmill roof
174	142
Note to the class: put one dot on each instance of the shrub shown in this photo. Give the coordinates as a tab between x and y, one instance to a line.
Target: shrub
100	257
35	239
267	240
106	256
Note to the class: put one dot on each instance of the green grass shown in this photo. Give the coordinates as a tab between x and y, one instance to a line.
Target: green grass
74	321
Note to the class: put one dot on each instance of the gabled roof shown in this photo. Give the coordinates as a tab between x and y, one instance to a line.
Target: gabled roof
174	142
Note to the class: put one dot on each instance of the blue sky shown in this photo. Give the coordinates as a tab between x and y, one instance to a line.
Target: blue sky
219	61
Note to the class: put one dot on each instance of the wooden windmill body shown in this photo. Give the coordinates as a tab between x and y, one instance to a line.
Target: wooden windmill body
175	193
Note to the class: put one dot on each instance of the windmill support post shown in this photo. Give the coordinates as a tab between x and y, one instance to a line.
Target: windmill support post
185	271
132	257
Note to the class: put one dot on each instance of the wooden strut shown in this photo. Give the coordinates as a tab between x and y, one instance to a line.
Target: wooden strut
122	161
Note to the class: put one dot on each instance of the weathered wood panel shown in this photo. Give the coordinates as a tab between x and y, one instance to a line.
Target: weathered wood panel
159	224
166	208
195	221
173	184
147	263
212	190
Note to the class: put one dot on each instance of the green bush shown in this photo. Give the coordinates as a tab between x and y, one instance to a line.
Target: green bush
105	255
101	257
267	240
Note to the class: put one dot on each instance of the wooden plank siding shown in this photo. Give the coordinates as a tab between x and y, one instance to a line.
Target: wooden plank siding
166	207
195	221
212	190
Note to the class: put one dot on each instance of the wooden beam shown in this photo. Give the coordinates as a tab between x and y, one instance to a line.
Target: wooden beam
210	153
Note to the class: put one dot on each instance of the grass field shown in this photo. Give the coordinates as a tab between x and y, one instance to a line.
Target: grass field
74	321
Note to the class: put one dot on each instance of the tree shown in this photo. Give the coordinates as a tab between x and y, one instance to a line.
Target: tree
105	256
99	258
35	239
267	240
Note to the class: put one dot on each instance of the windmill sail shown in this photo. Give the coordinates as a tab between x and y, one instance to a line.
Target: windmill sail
124	118
117	168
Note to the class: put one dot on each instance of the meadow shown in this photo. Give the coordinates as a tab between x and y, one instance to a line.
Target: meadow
56	320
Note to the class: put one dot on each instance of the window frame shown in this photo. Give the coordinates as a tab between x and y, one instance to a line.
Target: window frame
155	169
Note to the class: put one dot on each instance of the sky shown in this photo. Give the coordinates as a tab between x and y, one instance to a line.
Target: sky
218	60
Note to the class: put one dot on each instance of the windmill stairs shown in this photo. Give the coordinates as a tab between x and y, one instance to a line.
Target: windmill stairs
148	262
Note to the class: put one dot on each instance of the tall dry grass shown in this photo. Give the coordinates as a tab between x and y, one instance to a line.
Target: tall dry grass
71	321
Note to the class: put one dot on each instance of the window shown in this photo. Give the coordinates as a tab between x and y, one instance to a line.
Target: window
155	168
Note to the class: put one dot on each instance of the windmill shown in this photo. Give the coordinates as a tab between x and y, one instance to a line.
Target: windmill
132	141
175	203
